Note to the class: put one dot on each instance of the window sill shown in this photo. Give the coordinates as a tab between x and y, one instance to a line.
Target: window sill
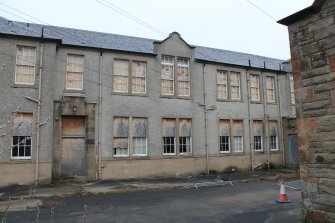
120	156
229	100
256	102
130	94
272	103
72	93
169	155
176	97
21	159
34	86
185	154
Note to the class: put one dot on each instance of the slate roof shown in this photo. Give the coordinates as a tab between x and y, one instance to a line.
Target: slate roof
107	41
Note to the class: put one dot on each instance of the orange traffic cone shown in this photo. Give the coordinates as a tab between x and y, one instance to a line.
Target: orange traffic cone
282	195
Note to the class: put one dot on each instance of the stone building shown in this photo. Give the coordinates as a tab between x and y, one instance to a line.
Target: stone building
98	105
312	34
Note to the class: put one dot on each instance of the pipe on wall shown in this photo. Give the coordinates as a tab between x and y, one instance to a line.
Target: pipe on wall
249	119
205	114
98	152
38	143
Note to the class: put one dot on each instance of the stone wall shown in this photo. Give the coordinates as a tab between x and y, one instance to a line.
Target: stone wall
312	42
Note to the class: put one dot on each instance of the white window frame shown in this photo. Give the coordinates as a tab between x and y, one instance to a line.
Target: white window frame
120	137
190	145
174	144
165	62
256	88
134	76
146	146
270	88
187	82
18	157
242	144
260	142
276	143
224	86
238	74
291	83
221	143
76	72
133	136
33	64
124	74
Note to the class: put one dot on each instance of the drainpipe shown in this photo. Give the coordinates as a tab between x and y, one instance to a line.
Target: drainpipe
280	122
249	118
38	144
98	152
205	114
266	141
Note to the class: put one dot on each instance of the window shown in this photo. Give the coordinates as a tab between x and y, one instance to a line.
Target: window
22	132
169	136
185	132
139	133
184	142
74	72
270	89
120	76
138	81
238	135
258	143
292	89
273	132
258	133
255	87
235	88
183	77
25	65
224	135
238	143
167	75
228	80
222	84
120	136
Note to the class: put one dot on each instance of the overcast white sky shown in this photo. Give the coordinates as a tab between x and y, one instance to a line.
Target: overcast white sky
225	24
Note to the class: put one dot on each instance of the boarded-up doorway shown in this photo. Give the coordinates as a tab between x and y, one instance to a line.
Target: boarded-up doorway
293	149
73	146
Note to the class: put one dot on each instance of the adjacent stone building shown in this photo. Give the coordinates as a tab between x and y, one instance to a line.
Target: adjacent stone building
312	41
98	105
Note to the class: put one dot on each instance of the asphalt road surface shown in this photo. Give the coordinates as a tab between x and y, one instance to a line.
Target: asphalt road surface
242	202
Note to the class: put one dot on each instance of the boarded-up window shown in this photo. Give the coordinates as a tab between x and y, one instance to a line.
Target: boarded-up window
22	132
235	85
75	72
270	89
139	132
169	134
167	75
292	89
138	82
120	136
258	135
120	75
254	87
273	132
185	133
25	65
224	135
238	135
183	77
222	84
